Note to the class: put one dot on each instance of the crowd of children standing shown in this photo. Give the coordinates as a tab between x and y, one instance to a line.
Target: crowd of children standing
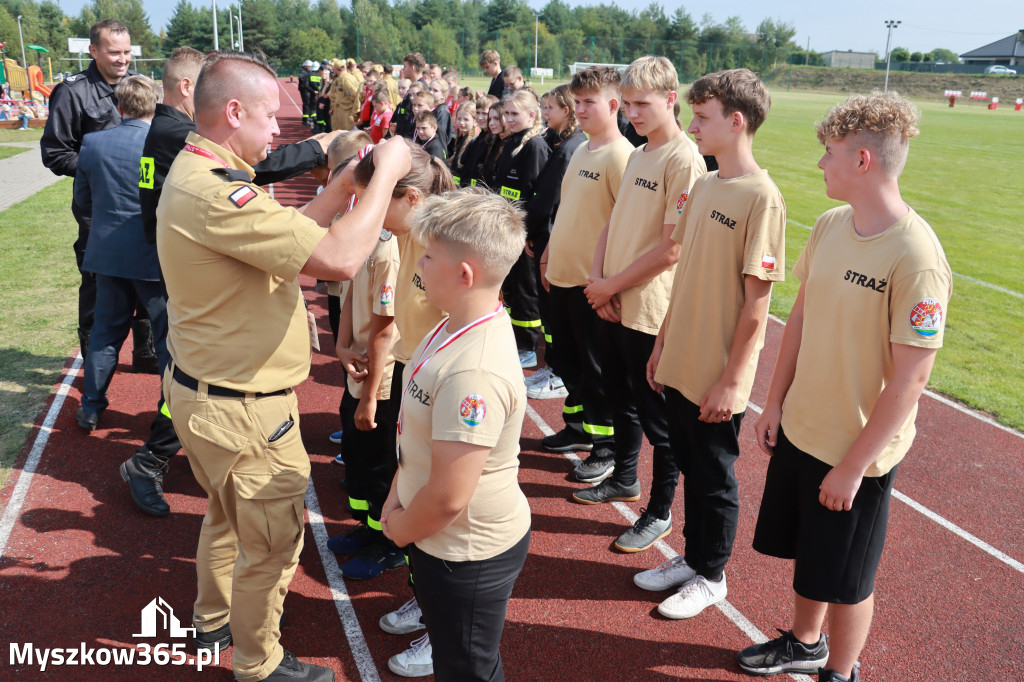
649	279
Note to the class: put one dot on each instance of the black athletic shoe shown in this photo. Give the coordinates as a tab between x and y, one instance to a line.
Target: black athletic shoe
214	640
568	440
292	669
595	468
356	539
144	474
785	654
608	490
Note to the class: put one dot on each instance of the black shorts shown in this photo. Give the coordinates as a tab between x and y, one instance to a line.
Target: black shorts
836	552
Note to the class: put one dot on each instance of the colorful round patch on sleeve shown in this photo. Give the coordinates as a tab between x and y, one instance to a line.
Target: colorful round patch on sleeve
387	294
926	317
473	409
682	200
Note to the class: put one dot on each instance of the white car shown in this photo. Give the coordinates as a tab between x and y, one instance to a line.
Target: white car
1000	69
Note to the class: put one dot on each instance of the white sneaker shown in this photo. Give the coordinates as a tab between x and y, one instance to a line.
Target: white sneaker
403	621
538	377
554	387
671	573
416	661
693	597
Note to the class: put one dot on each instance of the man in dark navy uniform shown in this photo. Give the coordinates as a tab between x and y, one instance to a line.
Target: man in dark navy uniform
82	104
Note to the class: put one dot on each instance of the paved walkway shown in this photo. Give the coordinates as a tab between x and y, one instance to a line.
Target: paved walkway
23	175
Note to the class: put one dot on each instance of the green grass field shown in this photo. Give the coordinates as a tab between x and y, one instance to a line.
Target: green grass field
962	178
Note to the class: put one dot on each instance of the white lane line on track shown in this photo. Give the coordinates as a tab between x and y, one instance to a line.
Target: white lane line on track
730	611
339	592
979	282
945	523
13	509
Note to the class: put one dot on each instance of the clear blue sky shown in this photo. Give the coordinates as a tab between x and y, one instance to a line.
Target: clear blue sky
858	26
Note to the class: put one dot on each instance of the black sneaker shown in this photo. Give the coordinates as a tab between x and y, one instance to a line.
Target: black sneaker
568	440
373	561
608	490
826	675
214	640
785	654
355	540
87	420
595	468
647	530
294	670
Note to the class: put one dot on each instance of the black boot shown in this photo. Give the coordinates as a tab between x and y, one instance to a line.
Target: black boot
144	354
144	474
83	341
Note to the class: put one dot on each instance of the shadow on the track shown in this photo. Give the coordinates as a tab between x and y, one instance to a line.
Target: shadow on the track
606	655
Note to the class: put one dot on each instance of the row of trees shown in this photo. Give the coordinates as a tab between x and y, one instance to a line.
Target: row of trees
452	32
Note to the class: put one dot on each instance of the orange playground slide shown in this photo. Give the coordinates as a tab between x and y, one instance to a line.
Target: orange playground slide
35	75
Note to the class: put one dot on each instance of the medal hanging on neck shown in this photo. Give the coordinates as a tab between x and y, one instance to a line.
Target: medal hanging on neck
423	362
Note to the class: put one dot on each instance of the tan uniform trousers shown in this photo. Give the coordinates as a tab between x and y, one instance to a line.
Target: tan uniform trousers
251	537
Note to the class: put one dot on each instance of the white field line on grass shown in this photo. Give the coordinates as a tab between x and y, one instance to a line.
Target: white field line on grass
13	509
339	592
730	611
944	522
979	282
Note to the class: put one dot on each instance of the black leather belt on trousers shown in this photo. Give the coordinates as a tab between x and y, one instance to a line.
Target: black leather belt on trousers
189	382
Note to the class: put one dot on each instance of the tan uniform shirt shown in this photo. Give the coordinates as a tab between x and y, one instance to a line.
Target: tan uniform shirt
470	392
653	192
230	255
728	229
344	101
414	314
373	293
861	294
589	188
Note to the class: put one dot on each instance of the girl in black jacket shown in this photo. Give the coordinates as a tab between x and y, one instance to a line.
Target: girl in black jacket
488	164
467	132
518	170
564	136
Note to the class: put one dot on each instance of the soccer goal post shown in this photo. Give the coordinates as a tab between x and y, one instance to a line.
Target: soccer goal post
579	66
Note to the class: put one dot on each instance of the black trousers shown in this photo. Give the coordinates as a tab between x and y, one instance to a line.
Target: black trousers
87	288
334	314
636	408
520	291
370	458
464	605
575	328
705	454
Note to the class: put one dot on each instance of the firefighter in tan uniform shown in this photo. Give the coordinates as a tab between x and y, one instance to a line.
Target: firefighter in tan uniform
344	98
231	256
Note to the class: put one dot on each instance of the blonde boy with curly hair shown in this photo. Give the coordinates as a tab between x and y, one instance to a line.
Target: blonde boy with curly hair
856	354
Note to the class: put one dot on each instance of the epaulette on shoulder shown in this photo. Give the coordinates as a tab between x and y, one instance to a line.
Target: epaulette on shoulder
232	174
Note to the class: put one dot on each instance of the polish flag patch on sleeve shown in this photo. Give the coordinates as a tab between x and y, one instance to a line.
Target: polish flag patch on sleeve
768	262
242	196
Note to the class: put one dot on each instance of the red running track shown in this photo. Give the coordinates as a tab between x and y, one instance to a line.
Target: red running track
81	562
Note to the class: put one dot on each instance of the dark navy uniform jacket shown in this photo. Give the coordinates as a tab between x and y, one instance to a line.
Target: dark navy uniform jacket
105	188
84	103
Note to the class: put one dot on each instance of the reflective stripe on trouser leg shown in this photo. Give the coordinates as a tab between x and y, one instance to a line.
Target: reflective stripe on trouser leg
595	430
358	505
531	324
164	410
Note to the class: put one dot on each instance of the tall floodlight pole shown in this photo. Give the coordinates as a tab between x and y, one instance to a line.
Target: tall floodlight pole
24	59
889	24
536	35
231	26
216	41
241	40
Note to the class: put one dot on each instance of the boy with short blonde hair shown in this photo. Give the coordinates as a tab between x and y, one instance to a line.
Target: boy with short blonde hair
456	502
732	236
629	285
875	334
